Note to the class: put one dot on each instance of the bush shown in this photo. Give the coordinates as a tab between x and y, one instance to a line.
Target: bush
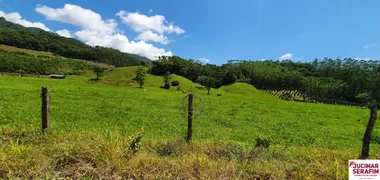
265	143
135	140
170	148
167	86
175	83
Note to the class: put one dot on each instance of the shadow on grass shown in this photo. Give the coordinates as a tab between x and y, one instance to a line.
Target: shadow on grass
94	79
163	87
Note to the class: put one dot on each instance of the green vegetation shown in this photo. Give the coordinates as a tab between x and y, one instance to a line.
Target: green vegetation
327	80
43	53
167	80
289	95
99	71
140	76
246	133
36	39
175	83
26	63
207	82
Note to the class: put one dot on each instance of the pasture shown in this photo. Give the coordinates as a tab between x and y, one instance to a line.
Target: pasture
89	120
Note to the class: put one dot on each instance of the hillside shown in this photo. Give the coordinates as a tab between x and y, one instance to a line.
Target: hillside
36	39
91	122
124	76
23	63
42	53
333	81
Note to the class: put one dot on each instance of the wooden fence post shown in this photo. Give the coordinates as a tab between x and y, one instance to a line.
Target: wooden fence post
190	118
45	95
368	132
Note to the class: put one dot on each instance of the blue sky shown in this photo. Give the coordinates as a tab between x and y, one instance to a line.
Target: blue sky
216	30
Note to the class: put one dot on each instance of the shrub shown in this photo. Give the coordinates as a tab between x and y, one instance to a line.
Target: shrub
175	83
170	148
262	143
135	140
167	86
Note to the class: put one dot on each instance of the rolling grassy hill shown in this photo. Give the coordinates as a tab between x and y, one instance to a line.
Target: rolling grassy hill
125	76
90	121
43	53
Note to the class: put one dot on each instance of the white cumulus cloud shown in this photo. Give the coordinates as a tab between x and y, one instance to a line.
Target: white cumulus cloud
97	31
365	59
369	45
148	35
78	16
64	33
203	59
121	42
286	56
140	22
16	18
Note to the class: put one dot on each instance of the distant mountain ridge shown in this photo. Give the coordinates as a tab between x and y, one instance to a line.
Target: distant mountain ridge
37	39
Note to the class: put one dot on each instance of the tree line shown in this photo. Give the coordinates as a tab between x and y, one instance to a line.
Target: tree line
37	39
326	80
24	63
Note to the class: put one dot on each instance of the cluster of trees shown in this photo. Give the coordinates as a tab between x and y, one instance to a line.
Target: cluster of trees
26	63
337	80
37	39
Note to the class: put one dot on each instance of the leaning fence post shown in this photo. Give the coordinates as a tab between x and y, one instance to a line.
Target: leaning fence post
45	95
190	118
368	132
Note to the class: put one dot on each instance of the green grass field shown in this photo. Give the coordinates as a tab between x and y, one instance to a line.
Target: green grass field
89	121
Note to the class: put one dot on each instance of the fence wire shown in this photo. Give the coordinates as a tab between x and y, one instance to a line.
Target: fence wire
198	106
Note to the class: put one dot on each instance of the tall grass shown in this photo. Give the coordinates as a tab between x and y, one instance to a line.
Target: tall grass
27	153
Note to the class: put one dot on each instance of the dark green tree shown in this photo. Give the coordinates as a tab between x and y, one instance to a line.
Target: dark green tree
140	76
167	80
208	82
201	80
99	71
